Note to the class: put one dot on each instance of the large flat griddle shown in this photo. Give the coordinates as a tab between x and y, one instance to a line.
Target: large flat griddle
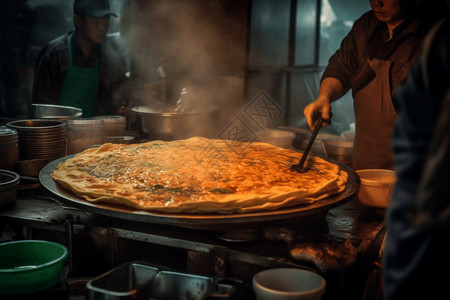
199	221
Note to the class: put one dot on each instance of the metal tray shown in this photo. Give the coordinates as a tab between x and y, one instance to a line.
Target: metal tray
200	221
138	280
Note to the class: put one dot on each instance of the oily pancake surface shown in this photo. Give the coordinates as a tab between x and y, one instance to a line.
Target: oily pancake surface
198	175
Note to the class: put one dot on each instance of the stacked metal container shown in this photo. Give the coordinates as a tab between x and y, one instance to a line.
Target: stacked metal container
9	148
40	139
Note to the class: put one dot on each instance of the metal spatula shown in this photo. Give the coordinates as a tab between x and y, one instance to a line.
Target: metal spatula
299	167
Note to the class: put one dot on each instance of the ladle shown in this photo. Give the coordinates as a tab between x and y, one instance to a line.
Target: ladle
299	167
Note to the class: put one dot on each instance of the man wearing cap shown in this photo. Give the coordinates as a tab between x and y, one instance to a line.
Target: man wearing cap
83	68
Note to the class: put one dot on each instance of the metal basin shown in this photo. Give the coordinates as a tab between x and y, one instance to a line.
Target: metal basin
55	112
160	125
30	266
138	280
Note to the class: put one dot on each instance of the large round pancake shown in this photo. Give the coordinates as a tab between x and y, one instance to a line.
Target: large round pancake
198	175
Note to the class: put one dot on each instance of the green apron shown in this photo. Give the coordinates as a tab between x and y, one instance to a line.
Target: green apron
80	85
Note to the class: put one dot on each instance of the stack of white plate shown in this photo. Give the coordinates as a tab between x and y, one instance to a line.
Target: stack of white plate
84	133
115	125
40	139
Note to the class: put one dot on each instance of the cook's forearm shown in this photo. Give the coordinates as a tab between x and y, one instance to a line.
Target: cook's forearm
331	89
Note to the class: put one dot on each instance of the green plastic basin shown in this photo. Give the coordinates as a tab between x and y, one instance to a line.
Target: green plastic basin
29	266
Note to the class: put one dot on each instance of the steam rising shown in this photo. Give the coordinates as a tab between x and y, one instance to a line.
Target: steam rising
197	44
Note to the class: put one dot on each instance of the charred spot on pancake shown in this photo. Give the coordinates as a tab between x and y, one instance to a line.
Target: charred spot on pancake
159	189
221	191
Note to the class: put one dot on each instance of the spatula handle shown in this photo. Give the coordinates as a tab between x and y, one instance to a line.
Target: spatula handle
311	141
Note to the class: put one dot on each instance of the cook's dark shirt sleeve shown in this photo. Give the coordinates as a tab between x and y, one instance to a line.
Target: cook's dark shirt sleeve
345	62
49	74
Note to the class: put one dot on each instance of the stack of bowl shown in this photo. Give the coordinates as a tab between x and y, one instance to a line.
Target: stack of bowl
114	127
40	139
84	133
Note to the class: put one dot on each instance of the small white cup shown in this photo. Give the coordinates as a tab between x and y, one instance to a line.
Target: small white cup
288	284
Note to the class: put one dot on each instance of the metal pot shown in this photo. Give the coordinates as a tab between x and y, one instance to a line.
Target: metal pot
340	150
178	125
9	182
9	148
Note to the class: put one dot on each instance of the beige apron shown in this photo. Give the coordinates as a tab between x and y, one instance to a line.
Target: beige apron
375	118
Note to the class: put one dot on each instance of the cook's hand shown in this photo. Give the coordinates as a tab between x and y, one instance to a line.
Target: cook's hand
312	111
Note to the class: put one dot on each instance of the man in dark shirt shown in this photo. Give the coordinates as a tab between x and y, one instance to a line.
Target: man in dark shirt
416	256
372	60
83	68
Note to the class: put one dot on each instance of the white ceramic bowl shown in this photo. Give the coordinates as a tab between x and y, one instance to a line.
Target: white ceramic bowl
349	135
376	187
280	138
317	147
288	284
340	150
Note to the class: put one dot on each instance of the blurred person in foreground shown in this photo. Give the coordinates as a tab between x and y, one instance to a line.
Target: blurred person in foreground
83	68
373	59
416	256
